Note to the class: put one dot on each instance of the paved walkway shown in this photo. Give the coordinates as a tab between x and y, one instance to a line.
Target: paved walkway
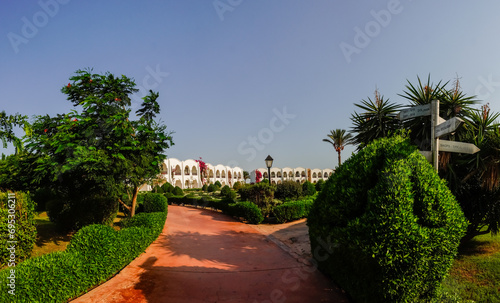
205	256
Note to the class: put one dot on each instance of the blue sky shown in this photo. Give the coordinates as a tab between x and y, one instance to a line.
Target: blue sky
241	79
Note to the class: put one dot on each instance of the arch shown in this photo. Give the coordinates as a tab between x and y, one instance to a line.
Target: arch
186	170
284	174
264	175
229	174
278	174
297	174
178	183
186	184
223	174
194	171
303	174
177	170
210	173
273	175
326	175
217	174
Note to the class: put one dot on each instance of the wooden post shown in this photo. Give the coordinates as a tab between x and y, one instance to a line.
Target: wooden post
434	140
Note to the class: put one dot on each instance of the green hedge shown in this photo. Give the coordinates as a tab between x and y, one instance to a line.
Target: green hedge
20	224
155	202
95	254
293	210
385	226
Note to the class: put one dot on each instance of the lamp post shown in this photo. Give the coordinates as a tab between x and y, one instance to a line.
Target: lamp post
269	164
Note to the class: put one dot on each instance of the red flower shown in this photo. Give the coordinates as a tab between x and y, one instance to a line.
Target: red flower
90	81
118	99
75	119
46	130
69	85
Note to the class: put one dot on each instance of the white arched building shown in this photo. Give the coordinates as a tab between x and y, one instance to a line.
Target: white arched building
186	174
299	174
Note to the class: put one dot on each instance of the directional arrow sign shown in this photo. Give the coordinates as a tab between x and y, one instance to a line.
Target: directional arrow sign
447	127
457	147
416	111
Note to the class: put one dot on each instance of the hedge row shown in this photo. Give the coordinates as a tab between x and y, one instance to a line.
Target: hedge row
95	253
246	210
293	210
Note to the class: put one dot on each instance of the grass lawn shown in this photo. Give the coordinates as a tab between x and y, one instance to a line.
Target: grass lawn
475	274
48	238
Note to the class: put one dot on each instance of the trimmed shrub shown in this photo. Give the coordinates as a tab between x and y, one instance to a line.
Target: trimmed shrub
237	185
308	189
319	185
17	223
227	193
211	188
218	184
167	187
385	226
154	202
261	194
288	190
204	187
95	254
293	210
178	191
157	189
246	210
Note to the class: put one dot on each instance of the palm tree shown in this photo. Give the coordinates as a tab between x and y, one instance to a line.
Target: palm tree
339	139
378	120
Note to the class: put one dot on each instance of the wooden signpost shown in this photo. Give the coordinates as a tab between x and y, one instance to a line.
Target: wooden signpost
439	127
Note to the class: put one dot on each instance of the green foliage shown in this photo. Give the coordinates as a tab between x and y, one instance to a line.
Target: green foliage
319	185
17	224
211	188
204	187
157	189
293	210
385	226
167	187
81	210
308	189
178	191
226	192
261	194
218	184
154	202
95	254
288	190
237	185
247	210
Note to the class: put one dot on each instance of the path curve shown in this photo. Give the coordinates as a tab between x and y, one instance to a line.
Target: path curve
205	256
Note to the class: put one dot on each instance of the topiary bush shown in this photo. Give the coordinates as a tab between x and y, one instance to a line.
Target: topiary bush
167	187
204	187
211	188
261	194
308	189
293	210
155	202
17	223
237	185
385	226
247	210
218	184
178	191
288	190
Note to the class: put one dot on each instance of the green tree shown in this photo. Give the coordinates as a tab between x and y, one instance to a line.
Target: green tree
7	124
93	156
377	120
339	139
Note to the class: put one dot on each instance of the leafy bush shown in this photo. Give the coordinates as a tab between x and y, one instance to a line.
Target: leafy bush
167	187
204	187
293	210
218	184
385	226
211	188
319	185
154	202
261	194
237	185
225	190
308	189
247	210
288	190
178	191
16	224
81	210
95	254
157	189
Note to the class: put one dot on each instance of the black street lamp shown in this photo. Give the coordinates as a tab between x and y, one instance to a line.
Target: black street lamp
269	164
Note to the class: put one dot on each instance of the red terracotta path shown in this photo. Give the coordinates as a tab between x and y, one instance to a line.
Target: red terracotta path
205	256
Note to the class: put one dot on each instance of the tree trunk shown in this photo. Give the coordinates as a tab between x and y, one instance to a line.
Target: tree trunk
339	157
134	200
